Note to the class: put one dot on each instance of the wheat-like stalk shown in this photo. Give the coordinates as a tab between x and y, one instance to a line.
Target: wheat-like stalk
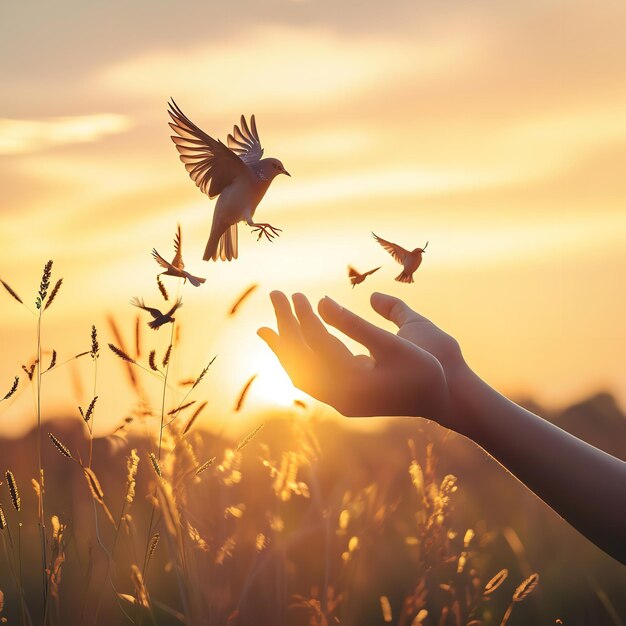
16	382
496	581
182	407
95	346
162	288
166	357
3	519
154	542
53	293
152	361
193	418
90	409
11	292
202	374
61	447
244	392
13	491
119	352
205	466
526	588
94	485
155	464
132	463
44	285
241	299
246	440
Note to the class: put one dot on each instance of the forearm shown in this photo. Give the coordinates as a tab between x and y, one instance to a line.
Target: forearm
584	485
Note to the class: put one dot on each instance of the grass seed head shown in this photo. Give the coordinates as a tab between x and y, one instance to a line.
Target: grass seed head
61	447
13	491
13	389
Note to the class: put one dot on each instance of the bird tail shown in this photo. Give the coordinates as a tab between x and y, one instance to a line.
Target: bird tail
405	277
196	281
222	245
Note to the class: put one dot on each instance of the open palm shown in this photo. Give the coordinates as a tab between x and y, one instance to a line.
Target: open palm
402	376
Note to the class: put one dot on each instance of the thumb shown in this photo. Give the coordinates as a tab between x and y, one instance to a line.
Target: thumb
393	309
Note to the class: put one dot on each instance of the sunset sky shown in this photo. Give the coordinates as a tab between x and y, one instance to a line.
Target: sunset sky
496	131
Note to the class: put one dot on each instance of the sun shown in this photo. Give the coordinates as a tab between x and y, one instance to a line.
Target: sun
272	385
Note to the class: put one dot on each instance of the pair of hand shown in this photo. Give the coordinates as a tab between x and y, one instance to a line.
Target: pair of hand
405	374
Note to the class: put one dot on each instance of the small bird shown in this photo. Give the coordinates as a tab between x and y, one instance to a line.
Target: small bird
409	260
158	318
177	267
356	278
236	174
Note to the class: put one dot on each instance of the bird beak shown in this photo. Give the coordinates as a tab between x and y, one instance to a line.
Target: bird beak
286	172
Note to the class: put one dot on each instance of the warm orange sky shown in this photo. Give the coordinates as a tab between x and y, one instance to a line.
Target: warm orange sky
494	130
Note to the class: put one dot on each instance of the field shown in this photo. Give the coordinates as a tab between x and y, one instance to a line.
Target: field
304	520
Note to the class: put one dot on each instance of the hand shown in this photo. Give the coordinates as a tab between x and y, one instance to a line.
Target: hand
401	377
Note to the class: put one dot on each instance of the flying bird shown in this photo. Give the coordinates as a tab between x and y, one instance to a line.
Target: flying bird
177	267
158	318
234	173
409	260
356	278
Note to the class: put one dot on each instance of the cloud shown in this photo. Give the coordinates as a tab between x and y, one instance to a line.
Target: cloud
281	67
26	136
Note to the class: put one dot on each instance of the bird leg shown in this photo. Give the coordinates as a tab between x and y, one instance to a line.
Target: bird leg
266	229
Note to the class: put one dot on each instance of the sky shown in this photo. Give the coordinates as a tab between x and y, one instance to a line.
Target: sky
495	131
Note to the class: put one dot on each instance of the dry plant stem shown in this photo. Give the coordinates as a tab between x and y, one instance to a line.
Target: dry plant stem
167	371
505	619
110	559
90	424
150	525
42	516
16	575
19	566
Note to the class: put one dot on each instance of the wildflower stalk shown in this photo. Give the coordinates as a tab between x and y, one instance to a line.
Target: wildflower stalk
95	353
41	507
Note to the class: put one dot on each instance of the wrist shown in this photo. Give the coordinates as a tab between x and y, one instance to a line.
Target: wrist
461	382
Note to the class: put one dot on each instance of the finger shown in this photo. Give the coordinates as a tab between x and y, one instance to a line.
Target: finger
315	333
288	326
394	309
377	340
270	338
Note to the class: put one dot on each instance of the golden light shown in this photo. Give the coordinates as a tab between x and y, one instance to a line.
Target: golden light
272	386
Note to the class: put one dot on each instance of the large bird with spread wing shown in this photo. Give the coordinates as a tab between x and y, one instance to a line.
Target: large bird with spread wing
234	173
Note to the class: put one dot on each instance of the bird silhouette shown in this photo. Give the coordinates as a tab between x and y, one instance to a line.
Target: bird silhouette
356	278
410	261
158	318
177	267
235	174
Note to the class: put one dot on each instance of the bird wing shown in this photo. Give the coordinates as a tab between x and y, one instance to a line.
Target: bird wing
161	261
138	302
396	251
372	271
245	142
210	164
177	305
352	273
177	262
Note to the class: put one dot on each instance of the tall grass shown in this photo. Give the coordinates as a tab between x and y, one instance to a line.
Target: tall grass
196	530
